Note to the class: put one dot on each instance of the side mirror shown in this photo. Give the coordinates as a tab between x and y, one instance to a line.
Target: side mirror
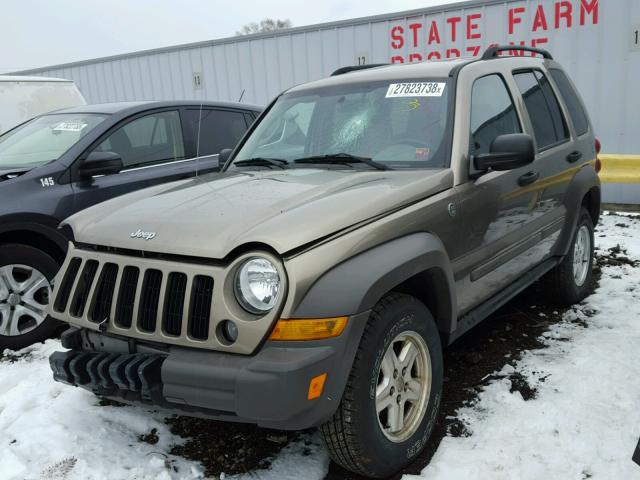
224	156
507	152
100	163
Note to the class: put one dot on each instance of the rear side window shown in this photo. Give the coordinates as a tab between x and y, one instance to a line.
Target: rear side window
544	110
492	113
218	129
571	99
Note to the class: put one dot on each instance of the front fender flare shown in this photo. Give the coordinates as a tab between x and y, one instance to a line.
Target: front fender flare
358	283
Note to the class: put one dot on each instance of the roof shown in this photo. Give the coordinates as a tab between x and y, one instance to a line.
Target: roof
407	71
19	78
133	107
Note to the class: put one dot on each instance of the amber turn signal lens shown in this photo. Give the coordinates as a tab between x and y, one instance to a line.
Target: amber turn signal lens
316	386
308	329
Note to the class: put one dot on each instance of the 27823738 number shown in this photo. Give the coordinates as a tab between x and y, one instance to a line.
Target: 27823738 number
416	89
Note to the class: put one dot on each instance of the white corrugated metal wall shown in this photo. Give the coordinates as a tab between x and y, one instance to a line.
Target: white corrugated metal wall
596	40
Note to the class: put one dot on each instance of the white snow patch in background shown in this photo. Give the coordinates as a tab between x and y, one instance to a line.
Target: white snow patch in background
584	423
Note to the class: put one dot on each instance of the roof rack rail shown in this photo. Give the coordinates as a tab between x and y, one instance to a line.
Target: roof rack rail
354	68
492	52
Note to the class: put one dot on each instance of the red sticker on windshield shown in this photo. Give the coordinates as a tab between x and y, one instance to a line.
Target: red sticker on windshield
422	153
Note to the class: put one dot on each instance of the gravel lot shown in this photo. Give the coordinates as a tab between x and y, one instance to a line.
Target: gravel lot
533	392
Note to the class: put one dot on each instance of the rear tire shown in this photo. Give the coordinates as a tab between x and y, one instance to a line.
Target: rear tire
571	281
26	274
373	434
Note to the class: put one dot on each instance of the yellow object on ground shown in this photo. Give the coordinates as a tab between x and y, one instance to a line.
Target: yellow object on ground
620	168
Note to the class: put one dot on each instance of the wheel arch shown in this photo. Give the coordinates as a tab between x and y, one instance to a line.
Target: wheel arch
583	191
41	235
417	264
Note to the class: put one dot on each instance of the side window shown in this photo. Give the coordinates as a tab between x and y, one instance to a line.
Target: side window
492	113
549	125
155	138
573	102
218	129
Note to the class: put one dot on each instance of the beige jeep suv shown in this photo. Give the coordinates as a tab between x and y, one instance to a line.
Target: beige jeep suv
364	222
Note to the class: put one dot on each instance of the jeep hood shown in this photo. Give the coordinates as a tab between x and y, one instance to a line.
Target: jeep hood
210	216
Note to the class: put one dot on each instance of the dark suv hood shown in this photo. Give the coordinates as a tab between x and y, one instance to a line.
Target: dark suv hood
210	216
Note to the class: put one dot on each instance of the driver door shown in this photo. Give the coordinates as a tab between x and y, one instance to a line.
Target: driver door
497	206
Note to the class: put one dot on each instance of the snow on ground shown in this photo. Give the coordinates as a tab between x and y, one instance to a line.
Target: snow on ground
584	422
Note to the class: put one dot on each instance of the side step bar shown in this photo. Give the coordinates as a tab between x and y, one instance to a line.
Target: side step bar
475	316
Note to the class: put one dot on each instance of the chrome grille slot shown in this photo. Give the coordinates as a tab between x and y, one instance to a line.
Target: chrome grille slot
149	297
126	296
60	305
83	288
174	303
200	311
101	308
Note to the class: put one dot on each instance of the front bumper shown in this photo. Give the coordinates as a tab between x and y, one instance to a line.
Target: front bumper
269	388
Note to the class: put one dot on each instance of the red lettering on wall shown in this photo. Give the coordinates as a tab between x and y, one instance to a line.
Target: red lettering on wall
475	51
536	42
435	55
453	53
471	26
397	59
434	34
415	57
540	21
397	39
453	21
589	7
414	28
513	19
563	10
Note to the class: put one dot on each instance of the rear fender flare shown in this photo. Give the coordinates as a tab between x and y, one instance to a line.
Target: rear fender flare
581	184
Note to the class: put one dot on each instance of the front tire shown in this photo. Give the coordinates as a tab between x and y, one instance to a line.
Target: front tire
392	397
26	274
572	280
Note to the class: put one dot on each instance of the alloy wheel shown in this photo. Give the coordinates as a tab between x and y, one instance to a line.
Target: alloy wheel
24	296
404	386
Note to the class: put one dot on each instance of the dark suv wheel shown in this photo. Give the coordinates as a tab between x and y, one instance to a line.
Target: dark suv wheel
571	280
26	274
393	393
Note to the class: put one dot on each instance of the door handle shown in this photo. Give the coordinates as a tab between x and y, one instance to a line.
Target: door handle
574	156
528	178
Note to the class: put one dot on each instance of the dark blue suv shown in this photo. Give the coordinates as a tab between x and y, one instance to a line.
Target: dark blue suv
59	163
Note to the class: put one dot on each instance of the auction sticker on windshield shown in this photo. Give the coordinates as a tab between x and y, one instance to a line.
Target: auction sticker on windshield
70	127
416	89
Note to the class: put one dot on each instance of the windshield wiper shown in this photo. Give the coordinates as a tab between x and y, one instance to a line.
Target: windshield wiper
262	162
342	158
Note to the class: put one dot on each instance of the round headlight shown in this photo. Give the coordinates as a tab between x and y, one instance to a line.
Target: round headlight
257	285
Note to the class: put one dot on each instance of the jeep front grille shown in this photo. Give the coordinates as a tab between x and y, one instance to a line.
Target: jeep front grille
152	299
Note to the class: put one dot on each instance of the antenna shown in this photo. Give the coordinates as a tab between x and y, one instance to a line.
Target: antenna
241	95
198	140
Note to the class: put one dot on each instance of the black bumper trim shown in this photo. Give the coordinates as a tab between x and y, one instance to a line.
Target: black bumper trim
132	377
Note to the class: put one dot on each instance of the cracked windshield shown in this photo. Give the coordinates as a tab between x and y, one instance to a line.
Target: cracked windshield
396	125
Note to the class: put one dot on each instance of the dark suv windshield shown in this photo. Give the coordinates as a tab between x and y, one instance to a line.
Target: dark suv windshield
401	124
44	138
